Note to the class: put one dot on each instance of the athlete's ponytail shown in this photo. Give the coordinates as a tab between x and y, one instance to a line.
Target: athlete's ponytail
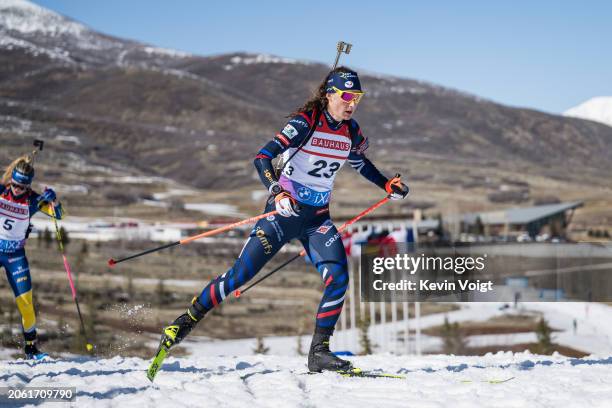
318	100
23	164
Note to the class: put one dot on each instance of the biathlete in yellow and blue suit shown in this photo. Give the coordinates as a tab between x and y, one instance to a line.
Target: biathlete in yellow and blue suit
18	203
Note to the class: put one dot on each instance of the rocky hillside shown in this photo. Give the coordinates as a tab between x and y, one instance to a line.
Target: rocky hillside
105	101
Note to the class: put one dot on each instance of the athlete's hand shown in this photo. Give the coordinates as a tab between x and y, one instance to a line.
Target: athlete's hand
47	196
396	189
285	204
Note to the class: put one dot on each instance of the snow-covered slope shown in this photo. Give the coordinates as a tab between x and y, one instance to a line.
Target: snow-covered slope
268	381
27	17
25	25
598	109
222	374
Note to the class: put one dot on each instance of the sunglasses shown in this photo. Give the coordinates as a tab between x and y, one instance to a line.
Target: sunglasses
20	186
349	96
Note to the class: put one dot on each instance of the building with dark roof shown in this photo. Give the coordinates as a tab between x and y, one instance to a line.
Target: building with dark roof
555	218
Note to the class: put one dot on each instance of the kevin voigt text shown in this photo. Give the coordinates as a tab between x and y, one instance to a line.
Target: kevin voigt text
428	285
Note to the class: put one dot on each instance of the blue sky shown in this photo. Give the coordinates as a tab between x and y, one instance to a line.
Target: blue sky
546	55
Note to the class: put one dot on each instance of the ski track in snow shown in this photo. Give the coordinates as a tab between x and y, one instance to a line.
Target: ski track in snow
274	381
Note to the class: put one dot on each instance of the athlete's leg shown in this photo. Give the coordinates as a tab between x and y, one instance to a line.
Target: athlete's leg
268	236
326	251
263	243
18	275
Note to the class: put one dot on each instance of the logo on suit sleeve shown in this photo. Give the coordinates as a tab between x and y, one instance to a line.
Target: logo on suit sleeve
290	131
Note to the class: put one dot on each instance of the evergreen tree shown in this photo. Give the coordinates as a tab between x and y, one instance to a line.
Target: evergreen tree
543	333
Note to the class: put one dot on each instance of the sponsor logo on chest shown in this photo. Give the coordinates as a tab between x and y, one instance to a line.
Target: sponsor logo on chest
13	208
330	144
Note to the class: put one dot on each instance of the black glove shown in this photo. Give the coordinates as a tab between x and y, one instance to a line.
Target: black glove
396	189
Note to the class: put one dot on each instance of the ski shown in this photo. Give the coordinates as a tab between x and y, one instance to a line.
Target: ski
167	340
157	362
493	381
358	372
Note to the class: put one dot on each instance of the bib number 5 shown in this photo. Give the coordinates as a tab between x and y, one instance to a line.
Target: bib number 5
8	224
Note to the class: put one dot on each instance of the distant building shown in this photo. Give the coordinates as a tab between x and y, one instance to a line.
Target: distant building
551	219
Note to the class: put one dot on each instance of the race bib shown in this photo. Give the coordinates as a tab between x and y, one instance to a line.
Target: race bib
14	220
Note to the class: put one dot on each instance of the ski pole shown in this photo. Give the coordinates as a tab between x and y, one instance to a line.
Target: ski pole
112	262
58	235
344	226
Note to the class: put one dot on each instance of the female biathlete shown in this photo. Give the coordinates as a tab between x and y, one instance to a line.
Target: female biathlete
18	203
313	153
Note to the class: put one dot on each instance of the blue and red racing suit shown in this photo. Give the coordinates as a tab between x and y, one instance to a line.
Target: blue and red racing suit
15	214
309	178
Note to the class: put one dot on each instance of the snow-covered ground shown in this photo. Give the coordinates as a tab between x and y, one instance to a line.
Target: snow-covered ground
272	381
227	373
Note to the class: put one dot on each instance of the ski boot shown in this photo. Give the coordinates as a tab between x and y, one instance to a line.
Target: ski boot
321	358
182	325
30	349
174	334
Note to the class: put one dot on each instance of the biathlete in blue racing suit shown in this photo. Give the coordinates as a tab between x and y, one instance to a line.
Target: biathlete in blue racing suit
301	195
18	203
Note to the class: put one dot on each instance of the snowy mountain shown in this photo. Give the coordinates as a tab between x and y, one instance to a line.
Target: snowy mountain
135	105
26	17
598	109
40	31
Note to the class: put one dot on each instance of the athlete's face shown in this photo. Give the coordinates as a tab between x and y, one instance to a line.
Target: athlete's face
340	109
18	189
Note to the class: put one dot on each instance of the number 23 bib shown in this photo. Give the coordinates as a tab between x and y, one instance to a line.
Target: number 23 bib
310	174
